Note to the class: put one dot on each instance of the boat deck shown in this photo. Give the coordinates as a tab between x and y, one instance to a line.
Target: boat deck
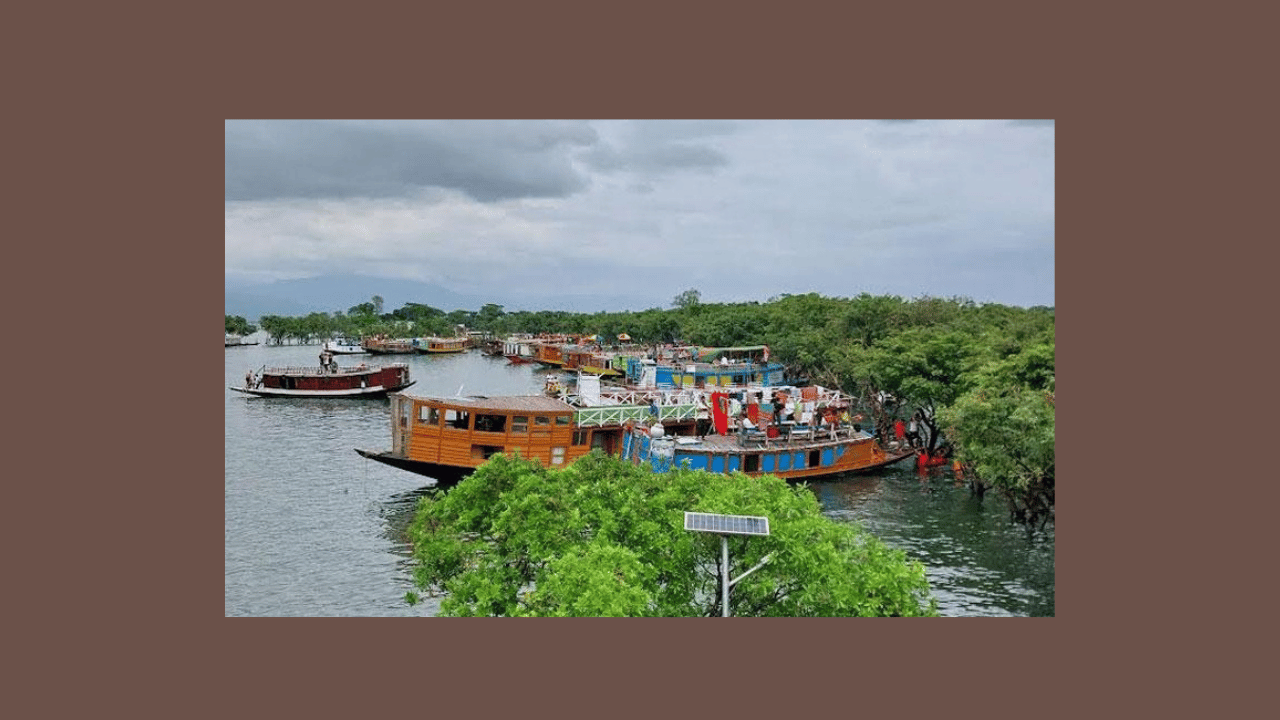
788	438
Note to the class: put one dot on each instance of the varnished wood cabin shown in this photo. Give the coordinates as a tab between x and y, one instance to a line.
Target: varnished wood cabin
447	438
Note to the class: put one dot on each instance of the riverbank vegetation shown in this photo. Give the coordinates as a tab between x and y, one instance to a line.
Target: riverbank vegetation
603	537
980	377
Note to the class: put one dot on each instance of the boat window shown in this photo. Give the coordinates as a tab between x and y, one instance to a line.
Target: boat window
541	420
459	419
429	415
562	419
814	456
520	423
557	456
751	463
491	423
484	452
580	437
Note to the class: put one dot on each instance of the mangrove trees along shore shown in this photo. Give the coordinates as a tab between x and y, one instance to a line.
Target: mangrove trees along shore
603	537
979	377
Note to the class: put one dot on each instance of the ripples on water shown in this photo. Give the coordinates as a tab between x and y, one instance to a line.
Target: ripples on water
313	529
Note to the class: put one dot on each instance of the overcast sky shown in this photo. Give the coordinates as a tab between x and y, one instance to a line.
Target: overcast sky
740	210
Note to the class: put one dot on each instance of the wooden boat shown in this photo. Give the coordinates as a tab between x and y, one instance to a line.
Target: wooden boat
803	453
590	360
517	349
383	346
433	345
707	367
447	438
344	346
341	382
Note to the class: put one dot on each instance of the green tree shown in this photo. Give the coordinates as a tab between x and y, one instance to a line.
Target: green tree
1006	439
237	325
687	300
604	537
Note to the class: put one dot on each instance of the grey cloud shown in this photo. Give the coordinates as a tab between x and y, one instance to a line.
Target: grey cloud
657	147
488	161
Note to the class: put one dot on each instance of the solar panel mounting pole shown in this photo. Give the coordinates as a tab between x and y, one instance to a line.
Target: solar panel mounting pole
725	525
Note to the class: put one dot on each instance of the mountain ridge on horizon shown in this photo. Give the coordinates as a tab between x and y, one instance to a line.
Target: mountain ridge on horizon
337	293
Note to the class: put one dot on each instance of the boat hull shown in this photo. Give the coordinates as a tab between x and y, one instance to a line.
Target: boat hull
375	391
442	474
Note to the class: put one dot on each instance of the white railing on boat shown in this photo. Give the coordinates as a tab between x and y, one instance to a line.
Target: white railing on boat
618	414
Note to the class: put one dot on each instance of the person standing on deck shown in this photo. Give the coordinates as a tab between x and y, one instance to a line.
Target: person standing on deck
704	417
899	431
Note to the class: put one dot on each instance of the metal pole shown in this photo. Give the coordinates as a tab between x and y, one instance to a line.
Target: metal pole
724	575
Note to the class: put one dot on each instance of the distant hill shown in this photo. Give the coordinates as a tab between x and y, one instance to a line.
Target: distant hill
334	293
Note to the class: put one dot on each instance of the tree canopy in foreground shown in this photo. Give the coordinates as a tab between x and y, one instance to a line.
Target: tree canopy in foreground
605	538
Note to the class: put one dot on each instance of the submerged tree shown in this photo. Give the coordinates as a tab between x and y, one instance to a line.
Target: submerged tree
237	325
603	537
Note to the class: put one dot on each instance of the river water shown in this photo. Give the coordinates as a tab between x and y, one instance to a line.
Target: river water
313	529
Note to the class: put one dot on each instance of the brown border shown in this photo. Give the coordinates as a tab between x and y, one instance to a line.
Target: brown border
758	61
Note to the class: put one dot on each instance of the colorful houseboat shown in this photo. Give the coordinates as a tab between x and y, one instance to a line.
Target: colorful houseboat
706	367
333	381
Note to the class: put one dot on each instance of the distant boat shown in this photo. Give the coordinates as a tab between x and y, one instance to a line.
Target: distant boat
379	346
236	341
340	382
344	346
432	345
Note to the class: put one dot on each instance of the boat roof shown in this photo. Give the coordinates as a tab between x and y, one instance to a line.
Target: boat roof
712	353
499	403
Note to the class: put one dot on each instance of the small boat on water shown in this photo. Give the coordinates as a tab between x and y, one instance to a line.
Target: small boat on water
344	346
357	381
237	341
447	438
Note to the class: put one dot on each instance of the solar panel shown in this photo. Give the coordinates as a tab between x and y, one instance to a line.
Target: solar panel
726	524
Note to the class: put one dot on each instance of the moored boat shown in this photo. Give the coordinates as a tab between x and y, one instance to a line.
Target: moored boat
706	367
432	345
333	381
385	346
344	346
446	438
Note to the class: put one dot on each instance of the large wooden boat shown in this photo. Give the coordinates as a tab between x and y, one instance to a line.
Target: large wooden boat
340	382
448	438
434	345
384	346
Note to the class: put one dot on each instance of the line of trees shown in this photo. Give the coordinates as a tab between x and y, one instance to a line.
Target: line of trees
980	376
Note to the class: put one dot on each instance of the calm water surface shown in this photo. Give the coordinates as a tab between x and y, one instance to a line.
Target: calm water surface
312	529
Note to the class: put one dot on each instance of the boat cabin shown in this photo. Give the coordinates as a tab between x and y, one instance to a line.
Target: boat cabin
460	433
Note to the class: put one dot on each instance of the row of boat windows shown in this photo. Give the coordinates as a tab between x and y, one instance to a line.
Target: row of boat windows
487	422
484	452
